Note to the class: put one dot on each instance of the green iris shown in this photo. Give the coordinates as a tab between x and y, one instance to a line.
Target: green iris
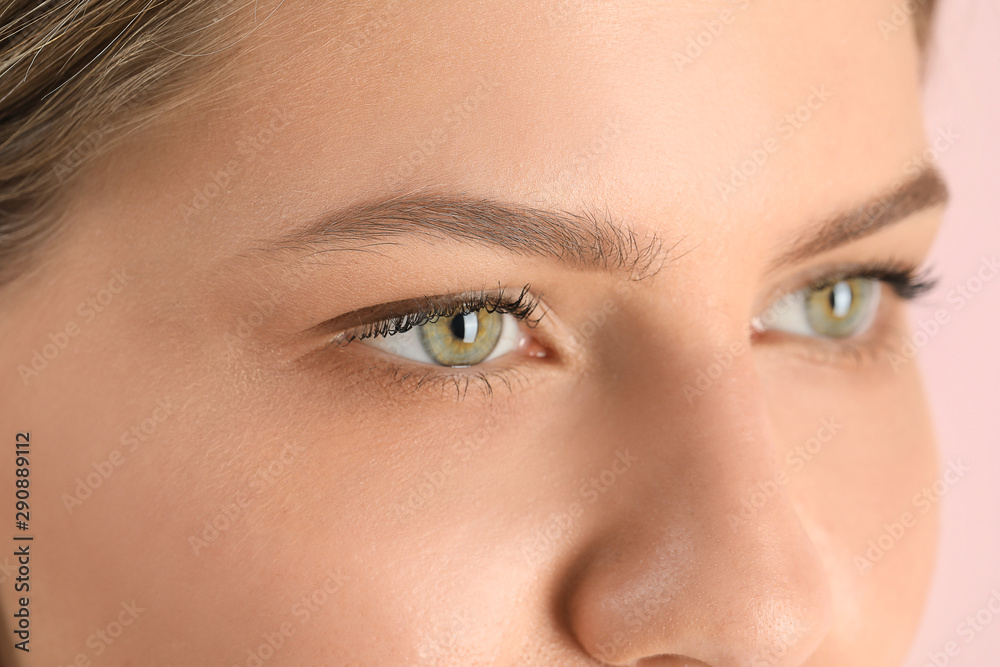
841	308
463	339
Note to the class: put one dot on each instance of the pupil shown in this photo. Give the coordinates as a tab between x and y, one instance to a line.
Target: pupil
458	326
840	299
465	327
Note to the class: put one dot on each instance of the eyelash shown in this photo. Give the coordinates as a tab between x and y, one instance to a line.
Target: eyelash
523	307
907	281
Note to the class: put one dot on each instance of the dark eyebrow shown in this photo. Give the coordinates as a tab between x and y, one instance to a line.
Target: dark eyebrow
590	239
927	189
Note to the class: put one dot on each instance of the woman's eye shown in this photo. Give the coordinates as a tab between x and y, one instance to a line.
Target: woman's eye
839	309
462	339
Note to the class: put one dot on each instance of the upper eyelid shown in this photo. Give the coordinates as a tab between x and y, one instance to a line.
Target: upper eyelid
824	276
430	308
394	309
346	327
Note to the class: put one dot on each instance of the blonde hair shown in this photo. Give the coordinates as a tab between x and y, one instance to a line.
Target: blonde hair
76	75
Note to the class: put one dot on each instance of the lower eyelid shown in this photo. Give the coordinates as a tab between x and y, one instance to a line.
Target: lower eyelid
867	350
456	383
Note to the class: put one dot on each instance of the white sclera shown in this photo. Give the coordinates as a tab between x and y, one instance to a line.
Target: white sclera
792	316
409	345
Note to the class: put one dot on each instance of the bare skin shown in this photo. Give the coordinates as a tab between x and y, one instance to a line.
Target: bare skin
643	481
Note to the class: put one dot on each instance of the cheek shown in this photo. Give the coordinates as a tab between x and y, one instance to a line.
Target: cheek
860	455
425	508
179	482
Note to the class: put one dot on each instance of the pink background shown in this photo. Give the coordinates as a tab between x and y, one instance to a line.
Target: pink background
961	363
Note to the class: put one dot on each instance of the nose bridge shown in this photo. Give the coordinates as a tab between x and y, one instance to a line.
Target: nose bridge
678	569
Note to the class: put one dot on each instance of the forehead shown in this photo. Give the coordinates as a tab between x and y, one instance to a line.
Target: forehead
707	113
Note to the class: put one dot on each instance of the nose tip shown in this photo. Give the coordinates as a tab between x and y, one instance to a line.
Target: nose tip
703	592
678	587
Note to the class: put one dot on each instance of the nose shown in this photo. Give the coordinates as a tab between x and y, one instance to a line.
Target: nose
678	571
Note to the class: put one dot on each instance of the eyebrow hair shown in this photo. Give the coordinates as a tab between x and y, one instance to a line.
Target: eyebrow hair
588	239
926	190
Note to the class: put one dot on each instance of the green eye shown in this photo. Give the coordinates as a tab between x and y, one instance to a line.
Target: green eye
463	339
458	330
840	309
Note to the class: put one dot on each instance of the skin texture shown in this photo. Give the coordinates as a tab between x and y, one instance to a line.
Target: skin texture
316	451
